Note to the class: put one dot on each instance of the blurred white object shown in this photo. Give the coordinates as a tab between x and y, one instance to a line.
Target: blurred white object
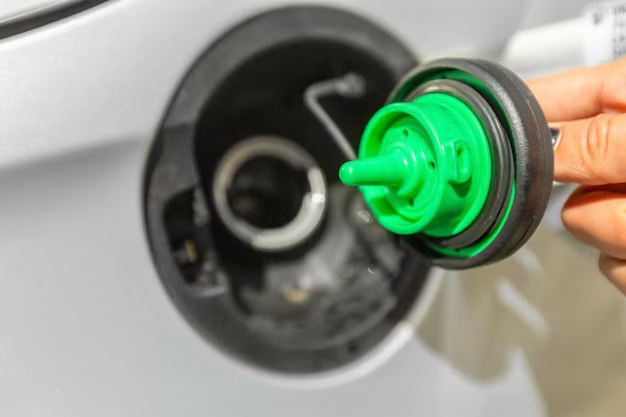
605	32
546	49
597	36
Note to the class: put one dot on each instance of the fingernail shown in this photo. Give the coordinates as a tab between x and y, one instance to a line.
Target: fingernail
556	136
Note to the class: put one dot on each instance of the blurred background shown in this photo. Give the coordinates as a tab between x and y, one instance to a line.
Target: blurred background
175	240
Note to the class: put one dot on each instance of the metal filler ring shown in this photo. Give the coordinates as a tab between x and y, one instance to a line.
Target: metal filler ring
314	202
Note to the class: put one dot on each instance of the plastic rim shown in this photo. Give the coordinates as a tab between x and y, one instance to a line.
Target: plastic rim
479	246
501	158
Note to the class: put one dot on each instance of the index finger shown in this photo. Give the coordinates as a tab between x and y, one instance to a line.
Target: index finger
592	151
582	93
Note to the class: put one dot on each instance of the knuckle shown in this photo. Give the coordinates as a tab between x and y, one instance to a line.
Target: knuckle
594	146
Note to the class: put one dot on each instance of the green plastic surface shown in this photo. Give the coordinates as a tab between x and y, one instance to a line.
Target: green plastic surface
423	166
479	86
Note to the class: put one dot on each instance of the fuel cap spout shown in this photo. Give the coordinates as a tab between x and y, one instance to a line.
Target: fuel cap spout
423	166
385	170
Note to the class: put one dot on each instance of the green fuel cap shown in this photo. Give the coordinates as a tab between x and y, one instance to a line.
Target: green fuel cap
423	166
459	163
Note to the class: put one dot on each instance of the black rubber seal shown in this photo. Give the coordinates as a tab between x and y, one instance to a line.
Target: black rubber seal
519	112
503	163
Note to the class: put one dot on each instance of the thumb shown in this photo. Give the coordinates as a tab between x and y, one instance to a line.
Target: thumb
592	151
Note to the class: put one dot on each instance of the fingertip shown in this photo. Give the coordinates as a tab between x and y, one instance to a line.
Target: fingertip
614	270
597	216
577	207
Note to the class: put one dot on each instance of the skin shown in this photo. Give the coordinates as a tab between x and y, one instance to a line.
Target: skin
589	106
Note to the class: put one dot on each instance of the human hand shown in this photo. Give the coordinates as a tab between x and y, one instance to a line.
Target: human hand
588	106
